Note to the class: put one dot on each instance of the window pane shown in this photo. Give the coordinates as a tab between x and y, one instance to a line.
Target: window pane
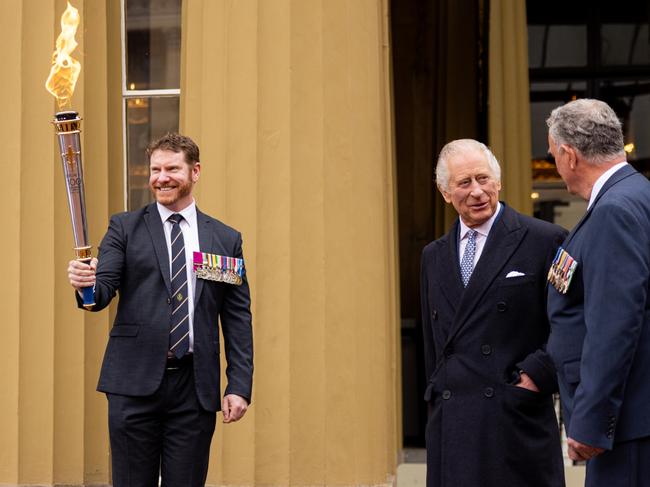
535	45
638	132
153	40
624	44
566	46
539	112
564	87
631	102
146	120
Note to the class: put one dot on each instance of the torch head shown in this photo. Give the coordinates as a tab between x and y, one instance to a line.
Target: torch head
67	122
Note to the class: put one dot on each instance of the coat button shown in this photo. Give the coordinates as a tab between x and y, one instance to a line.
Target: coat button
501	306
489	392
446	394
449	351
169	300
486	349
434	315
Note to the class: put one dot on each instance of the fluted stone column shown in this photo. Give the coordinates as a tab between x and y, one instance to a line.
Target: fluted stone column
289	101
509	101
53	422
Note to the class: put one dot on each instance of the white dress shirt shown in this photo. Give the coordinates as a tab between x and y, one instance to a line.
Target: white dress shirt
600	182
190	231
482	232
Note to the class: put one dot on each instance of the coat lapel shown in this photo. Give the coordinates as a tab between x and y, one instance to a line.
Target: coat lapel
155	227
448	266
205	245
503	239
618	176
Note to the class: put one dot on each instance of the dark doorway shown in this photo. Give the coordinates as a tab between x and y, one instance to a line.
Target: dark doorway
439	91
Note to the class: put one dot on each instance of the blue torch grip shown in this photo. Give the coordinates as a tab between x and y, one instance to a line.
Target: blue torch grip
88	294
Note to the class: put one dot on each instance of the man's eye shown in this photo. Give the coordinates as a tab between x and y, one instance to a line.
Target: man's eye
482	179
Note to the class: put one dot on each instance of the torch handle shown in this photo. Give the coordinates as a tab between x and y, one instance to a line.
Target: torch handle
88	295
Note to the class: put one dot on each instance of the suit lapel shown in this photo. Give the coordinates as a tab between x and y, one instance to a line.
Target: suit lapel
155	227
448	266
622	173
205	245
502	241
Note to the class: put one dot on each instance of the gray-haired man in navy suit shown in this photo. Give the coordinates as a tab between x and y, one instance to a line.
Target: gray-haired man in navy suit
599	299
161	366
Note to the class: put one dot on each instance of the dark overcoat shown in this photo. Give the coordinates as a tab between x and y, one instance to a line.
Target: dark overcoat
482	430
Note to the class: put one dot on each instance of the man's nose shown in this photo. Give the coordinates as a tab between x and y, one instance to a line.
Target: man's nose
475	189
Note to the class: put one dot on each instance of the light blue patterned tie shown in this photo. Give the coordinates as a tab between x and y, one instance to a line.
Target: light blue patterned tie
467	264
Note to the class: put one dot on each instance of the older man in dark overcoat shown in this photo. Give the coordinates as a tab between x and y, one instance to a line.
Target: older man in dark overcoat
483	292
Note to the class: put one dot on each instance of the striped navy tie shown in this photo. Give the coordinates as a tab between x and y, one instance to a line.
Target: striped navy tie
179	335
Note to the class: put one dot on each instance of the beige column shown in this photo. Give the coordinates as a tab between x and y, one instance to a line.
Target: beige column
289	103
509	100
53	422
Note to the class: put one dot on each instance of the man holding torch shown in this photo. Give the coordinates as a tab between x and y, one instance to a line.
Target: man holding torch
161	366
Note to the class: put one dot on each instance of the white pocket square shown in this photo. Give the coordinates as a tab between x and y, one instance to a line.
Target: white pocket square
514	274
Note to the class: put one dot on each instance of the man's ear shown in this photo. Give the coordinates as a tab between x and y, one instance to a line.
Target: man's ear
196	172
572	155
446	195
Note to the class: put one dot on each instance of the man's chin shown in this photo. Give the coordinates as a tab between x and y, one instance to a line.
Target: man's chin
165	199
480	217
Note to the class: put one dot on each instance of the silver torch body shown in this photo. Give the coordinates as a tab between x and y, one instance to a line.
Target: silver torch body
68	130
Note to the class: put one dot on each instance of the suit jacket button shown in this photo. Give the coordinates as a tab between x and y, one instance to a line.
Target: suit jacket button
169	300
501	306
446	394
449	351
434	314
489	392
486	349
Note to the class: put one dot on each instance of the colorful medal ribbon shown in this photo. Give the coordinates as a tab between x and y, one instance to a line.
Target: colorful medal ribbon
219	268
562	270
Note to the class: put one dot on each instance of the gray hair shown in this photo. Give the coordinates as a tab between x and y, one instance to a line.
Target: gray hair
463	146
590	126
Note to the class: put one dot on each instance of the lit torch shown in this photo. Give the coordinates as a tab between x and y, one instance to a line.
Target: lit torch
61	82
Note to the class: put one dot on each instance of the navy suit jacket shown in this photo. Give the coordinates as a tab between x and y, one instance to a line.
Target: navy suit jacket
134	262
600	329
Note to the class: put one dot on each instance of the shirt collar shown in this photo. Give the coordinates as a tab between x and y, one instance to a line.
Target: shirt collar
188	213
600	182
483	228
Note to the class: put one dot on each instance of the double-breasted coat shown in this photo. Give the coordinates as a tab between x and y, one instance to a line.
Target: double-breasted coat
482	429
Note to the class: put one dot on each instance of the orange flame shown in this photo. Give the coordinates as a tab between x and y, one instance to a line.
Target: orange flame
65	69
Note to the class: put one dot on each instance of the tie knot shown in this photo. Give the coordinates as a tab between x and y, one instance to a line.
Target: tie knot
175	218
471	235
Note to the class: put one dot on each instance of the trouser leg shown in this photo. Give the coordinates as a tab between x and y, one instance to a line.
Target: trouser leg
135	428
187	433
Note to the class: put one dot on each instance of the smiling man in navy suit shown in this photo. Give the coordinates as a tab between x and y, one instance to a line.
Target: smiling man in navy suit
599	299
483	294
161	366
